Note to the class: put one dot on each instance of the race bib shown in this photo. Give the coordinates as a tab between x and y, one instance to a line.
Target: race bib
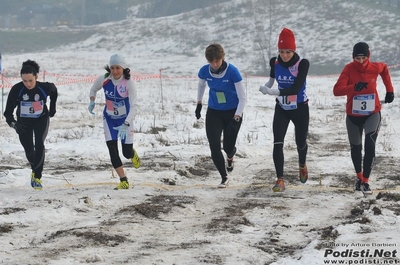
363	104
221	97
116	110
31	109
288	102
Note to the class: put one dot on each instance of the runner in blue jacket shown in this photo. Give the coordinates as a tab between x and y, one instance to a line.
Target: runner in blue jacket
226	102
119	113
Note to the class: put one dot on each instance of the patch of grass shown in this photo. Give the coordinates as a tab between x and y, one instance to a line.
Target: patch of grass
388	196
156	130
234	216
97	238
7	211
329	233
6	228
162	204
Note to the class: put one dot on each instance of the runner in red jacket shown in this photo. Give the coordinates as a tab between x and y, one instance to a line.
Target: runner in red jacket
358	81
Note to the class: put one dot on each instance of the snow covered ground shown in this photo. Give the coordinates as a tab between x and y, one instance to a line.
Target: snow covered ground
174	214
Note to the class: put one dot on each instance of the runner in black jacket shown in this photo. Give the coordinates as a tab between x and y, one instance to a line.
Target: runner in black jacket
29	97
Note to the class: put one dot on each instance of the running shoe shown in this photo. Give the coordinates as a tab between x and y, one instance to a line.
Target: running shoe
360	179
366	189
229	166
36	183
229	160
135	159
303	173
279	185
123	185
224	183
357	185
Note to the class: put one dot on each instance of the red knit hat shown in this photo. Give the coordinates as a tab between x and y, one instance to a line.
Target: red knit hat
286	40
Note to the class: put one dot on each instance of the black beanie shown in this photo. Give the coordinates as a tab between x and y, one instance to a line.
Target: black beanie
361	49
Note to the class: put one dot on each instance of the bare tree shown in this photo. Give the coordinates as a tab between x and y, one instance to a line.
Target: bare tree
263	30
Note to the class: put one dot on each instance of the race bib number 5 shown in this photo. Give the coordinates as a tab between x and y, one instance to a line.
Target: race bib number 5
363	104
116	110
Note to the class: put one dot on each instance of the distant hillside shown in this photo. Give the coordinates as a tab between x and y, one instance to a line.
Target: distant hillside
325	30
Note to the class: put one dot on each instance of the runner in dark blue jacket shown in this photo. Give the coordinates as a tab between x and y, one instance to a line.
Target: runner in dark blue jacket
290	72
32	124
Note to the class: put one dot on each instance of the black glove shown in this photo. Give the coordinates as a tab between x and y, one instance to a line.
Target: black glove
360	86
198	111
19	127
234	126
389	97
52	112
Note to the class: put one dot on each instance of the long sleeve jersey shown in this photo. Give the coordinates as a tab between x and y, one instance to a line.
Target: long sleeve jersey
366	101
30	103
121	97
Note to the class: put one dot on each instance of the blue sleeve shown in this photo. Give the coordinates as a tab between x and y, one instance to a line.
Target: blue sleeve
203	71
236	76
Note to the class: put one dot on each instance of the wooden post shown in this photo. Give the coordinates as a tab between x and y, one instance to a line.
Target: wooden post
162	100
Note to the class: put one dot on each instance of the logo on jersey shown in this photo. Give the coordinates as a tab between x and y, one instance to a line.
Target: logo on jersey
285	78
37	97
122	89
109	93
293	68
25	97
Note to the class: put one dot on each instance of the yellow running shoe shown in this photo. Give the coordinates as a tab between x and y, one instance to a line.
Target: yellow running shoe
123	185
135	159
36	183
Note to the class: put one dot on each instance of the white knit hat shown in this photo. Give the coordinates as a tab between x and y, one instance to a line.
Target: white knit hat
118	59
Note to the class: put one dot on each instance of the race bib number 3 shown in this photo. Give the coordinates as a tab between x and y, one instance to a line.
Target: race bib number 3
31	109
363	104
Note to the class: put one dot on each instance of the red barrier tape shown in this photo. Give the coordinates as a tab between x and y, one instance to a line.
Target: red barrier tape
6	82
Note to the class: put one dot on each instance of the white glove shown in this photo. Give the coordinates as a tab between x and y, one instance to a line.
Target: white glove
266	90
263	89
